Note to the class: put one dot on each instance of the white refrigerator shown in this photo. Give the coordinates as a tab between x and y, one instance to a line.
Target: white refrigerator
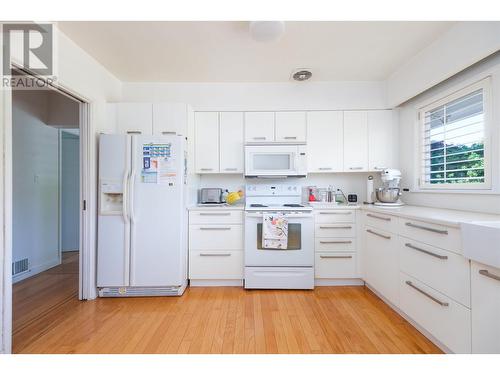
142	217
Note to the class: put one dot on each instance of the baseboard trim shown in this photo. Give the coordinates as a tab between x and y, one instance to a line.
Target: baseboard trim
36	270
216	282
338	282
417	326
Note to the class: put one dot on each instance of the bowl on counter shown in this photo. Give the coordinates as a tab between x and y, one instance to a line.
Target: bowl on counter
388	195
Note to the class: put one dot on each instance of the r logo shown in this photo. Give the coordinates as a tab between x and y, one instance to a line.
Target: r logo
30	42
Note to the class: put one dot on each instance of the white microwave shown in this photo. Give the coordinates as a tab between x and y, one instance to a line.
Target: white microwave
275	160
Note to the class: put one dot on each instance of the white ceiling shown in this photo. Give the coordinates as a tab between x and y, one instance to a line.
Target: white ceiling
224	51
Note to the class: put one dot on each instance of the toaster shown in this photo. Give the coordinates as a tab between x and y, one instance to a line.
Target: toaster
211	196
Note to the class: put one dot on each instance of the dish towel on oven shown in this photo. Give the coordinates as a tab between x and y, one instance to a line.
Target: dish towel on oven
274	232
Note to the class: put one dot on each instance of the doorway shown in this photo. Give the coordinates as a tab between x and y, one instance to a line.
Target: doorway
45	210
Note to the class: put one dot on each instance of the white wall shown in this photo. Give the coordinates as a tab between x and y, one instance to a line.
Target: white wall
70	190
489	202
463	45
262	96
35	183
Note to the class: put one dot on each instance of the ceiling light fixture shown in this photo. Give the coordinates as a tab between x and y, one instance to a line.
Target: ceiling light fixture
266	31
301	74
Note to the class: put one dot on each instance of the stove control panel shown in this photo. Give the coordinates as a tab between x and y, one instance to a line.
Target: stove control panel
273	190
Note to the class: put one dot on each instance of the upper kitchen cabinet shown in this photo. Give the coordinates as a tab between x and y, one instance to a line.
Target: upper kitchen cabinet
290	127
325	141
206	139
382	140
132	117
355	141
259	126
231	142
170	118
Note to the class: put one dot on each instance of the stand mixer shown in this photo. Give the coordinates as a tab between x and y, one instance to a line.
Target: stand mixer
388	195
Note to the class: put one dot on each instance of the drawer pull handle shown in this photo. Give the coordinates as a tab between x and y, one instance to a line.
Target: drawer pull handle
259	138
490	275
325	168
379	234
325	227
325	242
214	255
335	256
379	217
355	168
134	132
440	231
215	213
206	169
335	213
215	228
230	169
444	257
290	137
168	132
444	304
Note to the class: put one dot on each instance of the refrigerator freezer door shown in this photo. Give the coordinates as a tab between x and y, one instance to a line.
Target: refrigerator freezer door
157	211
113	249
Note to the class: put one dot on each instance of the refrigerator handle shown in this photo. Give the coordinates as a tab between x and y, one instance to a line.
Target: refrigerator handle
125	197
131	194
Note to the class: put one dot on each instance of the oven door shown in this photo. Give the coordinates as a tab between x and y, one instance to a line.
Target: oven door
300	249
276	160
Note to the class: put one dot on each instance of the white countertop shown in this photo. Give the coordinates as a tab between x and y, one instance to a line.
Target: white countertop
435	215
215	207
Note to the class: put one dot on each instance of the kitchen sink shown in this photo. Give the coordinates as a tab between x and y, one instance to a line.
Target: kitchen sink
481	242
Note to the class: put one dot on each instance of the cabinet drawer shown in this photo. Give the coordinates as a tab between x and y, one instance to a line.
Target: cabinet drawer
334	216
215	237
335	230
447	272
436	235
216	265
215	217
485	309
335	266
335	244
381	221
447	320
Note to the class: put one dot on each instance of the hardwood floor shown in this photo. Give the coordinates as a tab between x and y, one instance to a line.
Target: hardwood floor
39	300
224	320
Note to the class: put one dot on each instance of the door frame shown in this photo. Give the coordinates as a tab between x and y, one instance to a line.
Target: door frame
85	290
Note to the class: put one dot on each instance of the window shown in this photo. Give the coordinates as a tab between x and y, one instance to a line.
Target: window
454	147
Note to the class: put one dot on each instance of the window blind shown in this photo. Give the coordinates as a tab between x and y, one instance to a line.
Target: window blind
453	141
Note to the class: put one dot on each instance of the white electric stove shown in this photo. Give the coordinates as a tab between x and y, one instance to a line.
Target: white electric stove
292	268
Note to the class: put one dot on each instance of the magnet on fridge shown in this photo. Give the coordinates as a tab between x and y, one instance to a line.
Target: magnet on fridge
147	163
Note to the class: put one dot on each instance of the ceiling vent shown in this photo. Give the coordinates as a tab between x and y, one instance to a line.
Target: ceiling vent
301	75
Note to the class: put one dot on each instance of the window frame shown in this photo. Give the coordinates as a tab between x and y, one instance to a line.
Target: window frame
447	97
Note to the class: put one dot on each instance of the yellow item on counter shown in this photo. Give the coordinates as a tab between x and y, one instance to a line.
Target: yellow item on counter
234	197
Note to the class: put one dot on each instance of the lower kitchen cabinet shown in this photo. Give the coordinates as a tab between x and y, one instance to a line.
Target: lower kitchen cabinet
448	321
335	245
485	296
381	263
330	265
219	265
216	247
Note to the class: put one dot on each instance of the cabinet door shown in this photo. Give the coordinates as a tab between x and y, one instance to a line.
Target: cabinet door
485	295
381	263
290	126
325	141
231	142
355	141
259	126
134	117
169	118
382	140
206	139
